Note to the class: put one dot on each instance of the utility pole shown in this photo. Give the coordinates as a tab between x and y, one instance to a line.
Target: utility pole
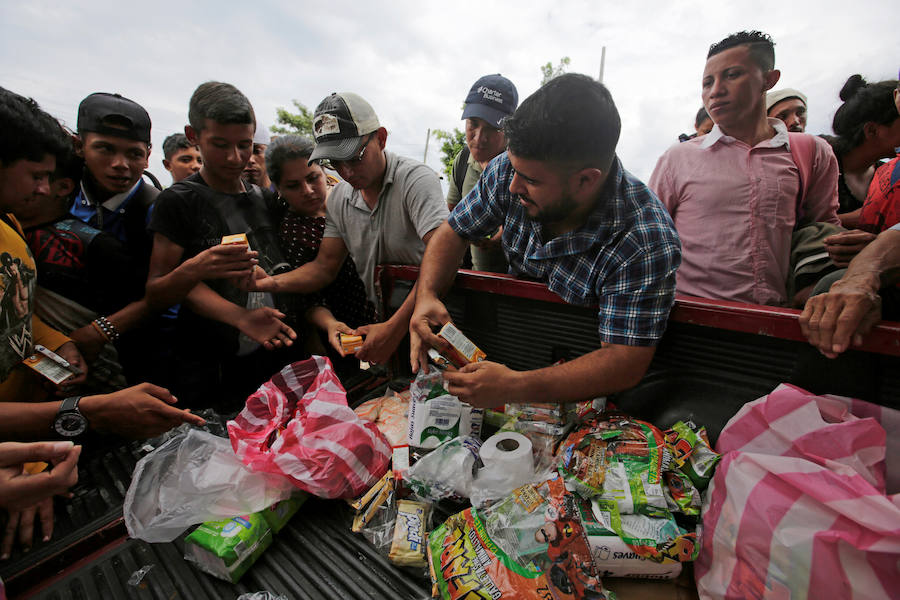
427	137
602	63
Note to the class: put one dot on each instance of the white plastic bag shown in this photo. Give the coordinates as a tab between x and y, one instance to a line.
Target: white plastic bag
194	478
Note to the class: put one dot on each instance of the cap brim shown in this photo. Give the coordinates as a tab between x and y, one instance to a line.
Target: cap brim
344	149
493	116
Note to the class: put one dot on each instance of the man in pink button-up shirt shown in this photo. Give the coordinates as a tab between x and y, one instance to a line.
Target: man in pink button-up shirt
733	193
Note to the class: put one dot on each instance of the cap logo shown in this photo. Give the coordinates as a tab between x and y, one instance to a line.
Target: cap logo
326	124
491	94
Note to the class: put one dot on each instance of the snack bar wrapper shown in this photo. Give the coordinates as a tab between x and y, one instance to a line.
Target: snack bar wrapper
618	458
530	545
408	543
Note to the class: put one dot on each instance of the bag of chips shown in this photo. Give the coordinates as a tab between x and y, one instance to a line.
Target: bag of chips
530	545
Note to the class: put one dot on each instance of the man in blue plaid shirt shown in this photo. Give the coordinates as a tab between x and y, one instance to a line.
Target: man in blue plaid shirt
573	218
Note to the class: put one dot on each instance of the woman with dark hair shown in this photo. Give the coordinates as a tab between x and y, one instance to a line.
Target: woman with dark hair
867	128
302	188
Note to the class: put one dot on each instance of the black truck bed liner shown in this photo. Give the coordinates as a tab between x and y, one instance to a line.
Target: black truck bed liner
714	357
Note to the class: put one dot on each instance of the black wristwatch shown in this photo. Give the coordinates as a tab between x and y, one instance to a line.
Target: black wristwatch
69	421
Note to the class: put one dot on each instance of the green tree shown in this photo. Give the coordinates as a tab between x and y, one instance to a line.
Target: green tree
452	144
299	122
548	72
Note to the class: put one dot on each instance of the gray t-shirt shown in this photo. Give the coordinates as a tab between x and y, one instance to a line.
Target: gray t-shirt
410	205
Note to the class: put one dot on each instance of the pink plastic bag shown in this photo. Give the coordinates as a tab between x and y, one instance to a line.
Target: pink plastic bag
797	507
298	424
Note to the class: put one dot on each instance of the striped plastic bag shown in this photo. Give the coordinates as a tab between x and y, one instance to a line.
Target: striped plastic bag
298	424
798	507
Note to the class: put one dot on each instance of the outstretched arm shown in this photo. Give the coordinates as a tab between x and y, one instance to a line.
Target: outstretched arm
439	267
852	306
309	278
611	369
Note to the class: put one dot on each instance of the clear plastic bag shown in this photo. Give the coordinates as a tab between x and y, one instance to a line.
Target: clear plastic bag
193	478
445	472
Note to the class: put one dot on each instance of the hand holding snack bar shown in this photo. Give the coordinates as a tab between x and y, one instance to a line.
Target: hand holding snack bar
69	352
428	313
225	261
27	488
20	488
484	384
380	341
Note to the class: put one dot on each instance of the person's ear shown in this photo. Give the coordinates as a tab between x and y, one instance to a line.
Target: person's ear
771	78
79	146
381	134
870	129
167	164
587	180
192	135
66	186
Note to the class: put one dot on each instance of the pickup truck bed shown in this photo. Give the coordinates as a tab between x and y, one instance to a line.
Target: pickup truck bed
714	357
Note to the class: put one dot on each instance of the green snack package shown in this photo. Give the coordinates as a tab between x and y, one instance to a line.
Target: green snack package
691	452
227	548
619	458
278	515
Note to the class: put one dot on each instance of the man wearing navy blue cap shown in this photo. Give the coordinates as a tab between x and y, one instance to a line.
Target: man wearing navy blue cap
491	99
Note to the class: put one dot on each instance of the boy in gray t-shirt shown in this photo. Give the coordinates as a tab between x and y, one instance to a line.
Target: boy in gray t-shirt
384	211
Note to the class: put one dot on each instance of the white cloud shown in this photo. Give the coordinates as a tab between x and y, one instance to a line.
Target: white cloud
415	61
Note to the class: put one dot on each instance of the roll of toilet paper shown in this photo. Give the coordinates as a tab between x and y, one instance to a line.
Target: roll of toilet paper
508	452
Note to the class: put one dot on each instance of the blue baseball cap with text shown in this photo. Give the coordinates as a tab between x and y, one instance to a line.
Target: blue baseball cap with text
492	98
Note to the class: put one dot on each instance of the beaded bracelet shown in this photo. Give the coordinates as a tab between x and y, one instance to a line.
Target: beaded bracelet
108	329
99	330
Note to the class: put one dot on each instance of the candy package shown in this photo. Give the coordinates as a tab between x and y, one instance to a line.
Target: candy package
530	545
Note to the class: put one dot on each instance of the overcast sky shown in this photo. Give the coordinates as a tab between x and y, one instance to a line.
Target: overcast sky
415	61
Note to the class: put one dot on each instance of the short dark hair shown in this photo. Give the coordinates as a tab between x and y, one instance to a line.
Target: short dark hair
702	115
863	103
175	142
220	102
760	45
570	119
68	163
283	149
26	131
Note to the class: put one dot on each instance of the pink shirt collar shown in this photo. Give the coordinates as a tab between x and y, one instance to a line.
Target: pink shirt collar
780	138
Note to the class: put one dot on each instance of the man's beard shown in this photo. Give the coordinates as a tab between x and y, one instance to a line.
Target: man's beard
558	211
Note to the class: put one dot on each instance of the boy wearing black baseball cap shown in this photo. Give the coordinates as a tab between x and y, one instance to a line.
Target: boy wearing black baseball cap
114	140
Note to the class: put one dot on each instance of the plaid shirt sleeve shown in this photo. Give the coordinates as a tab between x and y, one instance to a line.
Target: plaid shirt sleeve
635	299
481	212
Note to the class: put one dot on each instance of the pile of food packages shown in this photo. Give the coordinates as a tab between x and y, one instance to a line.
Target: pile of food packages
556	498
561	496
